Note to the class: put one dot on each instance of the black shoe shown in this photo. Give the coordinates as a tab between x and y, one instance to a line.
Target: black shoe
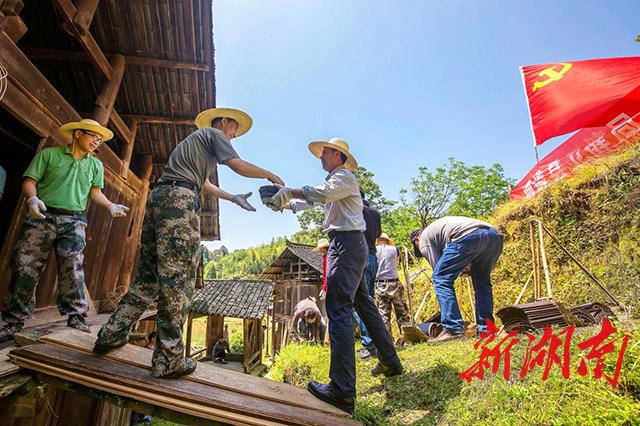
188	366
79	323
7	332
388	371
326	394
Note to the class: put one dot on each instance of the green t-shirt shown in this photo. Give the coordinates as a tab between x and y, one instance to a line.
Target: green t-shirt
63	181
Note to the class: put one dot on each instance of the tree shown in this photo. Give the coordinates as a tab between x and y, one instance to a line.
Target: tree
455	189
480	191
432	192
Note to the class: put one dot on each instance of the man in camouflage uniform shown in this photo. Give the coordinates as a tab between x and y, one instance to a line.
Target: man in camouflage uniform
389	289
171	236
57	185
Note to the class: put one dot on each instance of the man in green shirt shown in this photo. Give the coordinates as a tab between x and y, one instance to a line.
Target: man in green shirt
57	186
171	236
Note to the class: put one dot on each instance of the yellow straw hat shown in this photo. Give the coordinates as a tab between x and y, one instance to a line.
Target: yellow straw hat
242	118
337	144
86	124
322	243
385	237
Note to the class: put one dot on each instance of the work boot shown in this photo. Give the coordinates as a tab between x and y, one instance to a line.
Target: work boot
188	366
9	329
445	337
327	394
102	349
365	353
79	323
388	371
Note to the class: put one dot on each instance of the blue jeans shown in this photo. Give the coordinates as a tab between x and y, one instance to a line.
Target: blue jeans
346	261
481	249
370	279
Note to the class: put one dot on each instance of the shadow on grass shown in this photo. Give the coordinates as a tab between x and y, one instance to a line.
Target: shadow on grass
415	397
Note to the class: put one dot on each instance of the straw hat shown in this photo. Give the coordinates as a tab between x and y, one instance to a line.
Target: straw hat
86	124
385	237
242	118
322	243
337	144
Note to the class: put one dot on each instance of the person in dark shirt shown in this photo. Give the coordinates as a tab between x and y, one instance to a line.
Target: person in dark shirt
219	351
374	230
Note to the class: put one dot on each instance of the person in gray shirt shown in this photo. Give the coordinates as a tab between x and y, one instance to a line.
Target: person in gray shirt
171	237
452	244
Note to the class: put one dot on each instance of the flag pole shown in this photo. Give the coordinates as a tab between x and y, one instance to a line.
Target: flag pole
526	98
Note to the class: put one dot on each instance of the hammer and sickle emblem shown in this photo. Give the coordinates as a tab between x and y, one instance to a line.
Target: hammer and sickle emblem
551	75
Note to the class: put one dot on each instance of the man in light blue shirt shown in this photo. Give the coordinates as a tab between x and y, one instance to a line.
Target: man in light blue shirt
346	261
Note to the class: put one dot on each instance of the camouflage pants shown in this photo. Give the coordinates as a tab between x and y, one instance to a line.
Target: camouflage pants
166	273
64	233
391	295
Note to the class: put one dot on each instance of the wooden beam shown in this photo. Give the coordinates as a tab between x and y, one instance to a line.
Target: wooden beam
121	127
14	27
84	15
145	167
166	63
127	150
28	80
78	56
88	43
150	119
107	97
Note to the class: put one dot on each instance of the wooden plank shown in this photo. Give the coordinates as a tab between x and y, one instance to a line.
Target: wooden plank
205	374
128	390
129	380
10	384
6	366
88	43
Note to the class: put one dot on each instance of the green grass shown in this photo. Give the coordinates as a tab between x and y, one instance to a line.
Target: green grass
430	391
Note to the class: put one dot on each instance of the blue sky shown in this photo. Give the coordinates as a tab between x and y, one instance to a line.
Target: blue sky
407	83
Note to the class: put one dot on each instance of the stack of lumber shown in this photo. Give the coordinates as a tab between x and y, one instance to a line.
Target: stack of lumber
209	393
6	366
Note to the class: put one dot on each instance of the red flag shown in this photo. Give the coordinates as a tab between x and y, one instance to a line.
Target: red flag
580	148
568	96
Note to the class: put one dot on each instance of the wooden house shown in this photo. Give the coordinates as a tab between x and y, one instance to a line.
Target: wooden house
297	274
245	299
142	68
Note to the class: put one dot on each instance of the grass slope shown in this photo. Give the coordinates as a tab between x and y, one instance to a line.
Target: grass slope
430	391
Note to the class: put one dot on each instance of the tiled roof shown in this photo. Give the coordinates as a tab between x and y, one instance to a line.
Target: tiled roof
293	252
233	298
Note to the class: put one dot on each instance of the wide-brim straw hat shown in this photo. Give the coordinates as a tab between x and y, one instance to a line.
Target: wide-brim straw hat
322	243
87	124
337	144
385	237
242	118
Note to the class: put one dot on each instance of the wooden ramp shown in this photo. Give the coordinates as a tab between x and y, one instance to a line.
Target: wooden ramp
209	393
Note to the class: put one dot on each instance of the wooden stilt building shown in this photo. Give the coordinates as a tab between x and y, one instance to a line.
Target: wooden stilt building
297	274
142	68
